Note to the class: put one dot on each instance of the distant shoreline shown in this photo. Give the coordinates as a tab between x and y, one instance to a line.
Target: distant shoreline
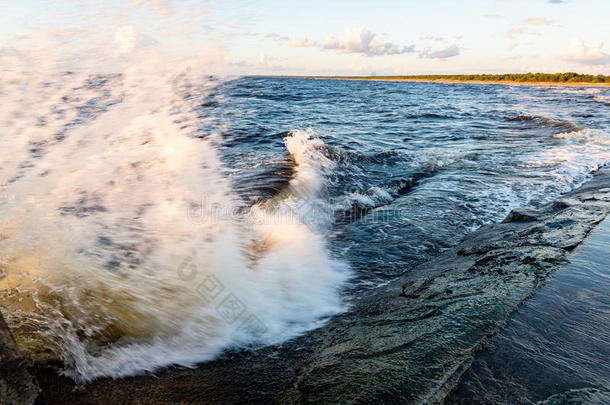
450	81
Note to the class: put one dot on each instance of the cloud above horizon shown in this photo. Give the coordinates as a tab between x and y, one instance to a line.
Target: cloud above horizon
302	43
448	50
591	53
276	36
266	60
376	49
362	41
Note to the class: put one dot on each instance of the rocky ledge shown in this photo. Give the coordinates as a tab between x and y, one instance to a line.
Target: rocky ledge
409	341
17	386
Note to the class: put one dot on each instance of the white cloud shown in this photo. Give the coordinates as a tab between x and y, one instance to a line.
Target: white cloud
591	53
537	21
448	50
302	43
266	60
431	38
277	37
360	40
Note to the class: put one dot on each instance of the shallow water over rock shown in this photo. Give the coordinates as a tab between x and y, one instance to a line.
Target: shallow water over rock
555	347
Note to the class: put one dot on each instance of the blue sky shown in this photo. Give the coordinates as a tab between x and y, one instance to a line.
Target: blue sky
345	37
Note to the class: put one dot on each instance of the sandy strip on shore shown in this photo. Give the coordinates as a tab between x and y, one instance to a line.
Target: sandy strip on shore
398	79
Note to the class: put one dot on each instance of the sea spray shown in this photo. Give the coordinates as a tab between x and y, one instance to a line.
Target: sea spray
111	258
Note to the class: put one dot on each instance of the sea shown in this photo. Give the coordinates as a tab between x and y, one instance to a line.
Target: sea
150	219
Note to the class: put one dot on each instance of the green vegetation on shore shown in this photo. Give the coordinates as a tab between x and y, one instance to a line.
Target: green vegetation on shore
569	77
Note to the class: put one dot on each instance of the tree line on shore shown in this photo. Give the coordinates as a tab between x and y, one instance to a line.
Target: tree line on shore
569	77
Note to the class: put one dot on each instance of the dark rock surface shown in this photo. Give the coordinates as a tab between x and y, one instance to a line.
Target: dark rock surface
406	342
549	350
17	386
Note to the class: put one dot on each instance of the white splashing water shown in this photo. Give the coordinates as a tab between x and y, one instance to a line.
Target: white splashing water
122	246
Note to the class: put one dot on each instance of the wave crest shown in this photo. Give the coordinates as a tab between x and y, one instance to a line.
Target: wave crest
544	122
124	248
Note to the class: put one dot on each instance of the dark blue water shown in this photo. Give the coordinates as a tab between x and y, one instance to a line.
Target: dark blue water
110	187
418	164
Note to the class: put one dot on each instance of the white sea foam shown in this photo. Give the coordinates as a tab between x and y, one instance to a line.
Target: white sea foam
571	160
123	248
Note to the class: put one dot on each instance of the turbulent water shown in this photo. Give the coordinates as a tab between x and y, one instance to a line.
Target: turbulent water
150	219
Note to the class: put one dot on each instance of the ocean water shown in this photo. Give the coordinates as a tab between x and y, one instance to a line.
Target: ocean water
154	218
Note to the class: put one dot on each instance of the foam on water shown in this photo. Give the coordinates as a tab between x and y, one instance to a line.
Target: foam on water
576	155
123	247
569	160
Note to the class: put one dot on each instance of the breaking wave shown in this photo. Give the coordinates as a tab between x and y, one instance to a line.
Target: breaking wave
123	247
539	121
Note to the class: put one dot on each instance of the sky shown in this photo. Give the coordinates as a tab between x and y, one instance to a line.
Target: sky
334	37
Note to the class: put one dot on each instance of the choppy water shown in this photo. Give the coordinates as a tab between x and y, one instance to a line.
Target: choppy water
152	219
417	165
